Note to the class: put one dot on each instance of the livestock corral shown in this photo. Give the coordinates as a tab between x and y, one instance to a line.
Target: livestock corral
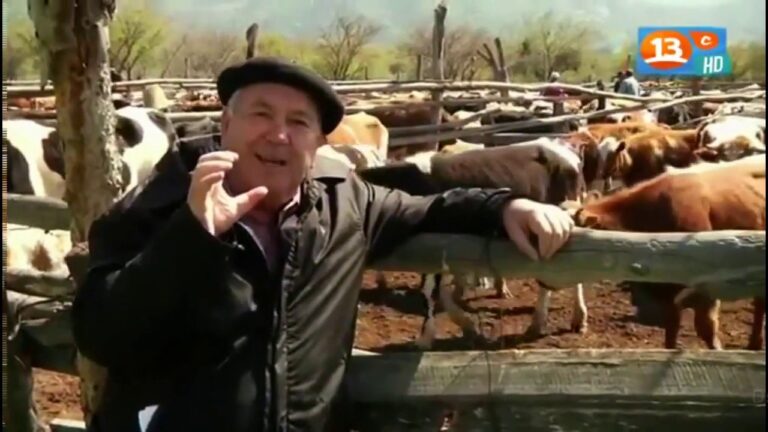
647	169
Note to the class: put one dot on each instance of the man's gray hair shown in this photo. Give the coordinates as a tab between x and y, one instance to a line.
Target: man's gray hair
232	103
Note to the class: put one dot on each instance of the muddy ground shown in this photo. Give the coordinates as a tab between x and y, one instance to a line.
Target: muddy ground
390	321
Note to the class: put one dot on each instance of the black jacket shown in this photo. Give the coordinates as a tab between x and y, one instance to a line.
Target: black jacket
197	325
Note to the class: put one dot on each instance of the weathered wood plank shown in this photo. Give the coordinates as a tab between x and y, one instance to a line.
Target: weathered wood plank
40	212
545	376
730	264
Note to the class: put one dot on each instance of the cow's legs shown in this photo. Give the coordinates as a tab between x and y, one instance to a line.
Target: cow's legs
758	324
502	290
381	280
672	317
429	282
539	325
451	301
580	316
706	322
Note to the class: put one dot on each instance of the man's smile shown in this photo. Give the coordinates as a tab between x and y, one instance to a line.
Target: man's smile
270	161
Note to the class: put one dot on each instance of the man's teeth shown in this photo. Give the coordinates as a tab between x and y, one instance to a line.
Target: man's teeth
270	161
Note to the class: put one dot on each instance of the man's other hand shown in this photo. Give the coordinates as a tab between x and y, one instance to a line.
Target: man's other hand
549	224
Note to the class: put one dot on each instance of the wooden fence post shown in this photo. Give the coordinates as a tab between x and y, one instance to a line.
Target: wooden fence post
438	71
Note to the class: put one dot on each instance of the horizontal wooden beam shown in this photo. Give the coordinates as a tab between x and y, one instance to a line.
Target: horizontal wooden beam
560	375
729	264
36	211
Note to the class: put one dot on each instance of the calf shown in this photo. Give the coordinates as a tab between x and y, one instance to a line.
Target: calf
355	156
204	126
593	155
728	138
544	170
726	196
361	129
648	154
36	153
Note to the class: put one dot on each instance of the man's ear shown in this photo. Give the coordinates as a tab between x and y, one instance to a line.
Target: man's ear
225	118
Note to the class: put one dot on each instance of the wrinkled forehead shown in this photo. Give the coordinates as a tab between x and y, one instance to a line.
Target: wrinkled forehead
276	97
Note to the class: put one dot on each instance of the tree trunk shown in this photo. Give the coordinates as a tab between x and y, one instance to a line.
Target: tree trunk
438	68
251	36
76	38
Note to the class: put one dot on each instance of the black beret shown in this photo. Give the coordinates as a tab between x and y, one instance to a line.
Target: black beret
274	70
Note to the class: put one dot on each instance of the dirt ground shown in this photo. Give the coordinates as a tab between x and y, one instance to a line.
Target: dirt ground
390	320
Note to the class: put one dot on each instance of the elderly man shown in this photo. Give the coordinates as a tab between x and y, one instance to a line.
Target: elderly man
224	290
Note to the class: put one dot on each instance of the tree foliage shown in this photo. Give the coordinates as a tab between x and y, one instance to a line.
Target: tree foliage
145	43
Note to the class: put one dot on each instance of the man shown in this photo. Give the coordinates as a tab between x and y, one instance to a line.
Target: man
629	84
555	91
618	78
224	290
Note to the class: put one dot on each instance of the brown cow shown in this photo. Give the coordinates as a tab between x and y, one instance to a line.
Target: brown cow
589	138
645	155
704	197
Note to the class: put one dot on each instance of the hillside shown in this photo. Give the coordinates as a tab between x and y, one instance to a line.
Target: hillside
617	20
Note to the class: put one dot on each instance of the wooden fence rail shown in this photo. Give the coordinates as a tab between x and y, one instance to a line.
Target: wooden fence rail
729	264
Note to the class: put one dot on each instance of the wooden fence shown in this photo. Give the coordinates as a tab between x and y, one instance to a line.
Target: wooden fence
731	264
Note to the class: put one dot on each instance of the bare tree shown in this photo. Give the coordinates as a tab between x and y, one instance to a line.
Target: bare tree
549	42
461	45
136	38
341	45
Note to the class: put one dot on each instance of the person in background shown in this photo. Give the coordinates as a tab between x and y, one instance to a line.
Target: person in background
555	91
618	78
629	85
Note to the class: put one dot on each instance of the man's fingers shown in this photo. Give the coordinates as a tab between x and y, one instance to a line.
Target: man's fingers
222	155
247	200
208	181
561	228
205	168
520	239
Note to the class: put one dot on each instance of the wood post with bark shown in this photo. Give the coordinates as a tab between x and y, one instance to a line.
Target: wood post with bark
438	51
497	63
251	37
74	40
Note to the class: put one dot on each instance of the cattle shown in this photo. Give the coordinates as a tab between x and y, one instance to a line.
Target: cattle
36	156
648	154
544	170
190	129
355	156
703	197
361	129
34	249
730	137
587	140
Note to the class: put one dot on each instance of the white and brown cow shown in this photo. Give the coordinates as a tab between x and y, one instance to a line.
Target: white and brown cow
727	138
36	157
545	170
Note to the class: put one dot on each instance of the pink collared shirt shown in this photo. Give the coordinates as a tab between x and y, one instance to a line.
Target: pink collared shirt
264	227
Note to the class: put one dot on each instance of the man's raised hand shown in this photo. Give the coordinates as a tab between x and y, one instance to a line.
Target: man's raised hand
216	209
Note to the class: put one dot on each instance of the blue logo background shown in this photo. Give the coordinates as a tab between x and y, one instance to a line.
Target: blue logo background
699	58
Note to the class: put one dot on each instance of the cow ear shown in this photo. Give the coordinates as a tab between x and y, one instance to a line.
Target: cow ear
590	221
621	147
129	130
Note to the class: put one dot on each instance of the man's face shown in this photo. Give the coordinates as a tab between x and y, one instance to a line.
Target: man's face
275	129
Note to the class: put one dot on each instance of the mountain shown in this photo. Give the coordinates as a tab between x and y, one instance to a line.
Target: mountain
618	20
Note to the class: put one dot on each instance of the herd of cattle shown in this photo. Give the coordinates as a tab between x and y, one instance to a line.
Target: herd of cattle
627	172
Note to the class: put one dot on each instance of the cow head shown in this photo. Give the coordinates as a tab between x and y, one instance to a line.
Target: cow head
128	133
730	138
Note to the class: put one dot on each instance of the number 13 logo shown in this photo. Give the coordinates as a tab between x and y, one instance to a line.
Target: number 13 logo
666	49
672	51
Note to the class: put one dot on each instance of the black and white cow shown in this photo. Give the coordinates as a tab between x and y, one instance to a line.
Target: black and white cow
545	170
36	158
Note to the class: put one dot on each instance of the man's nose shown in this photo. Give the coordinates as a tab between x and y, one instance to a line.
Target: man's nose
279	132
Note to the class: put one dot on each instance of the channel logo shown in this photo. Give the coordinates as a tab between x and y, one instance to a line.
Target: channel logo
682	51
